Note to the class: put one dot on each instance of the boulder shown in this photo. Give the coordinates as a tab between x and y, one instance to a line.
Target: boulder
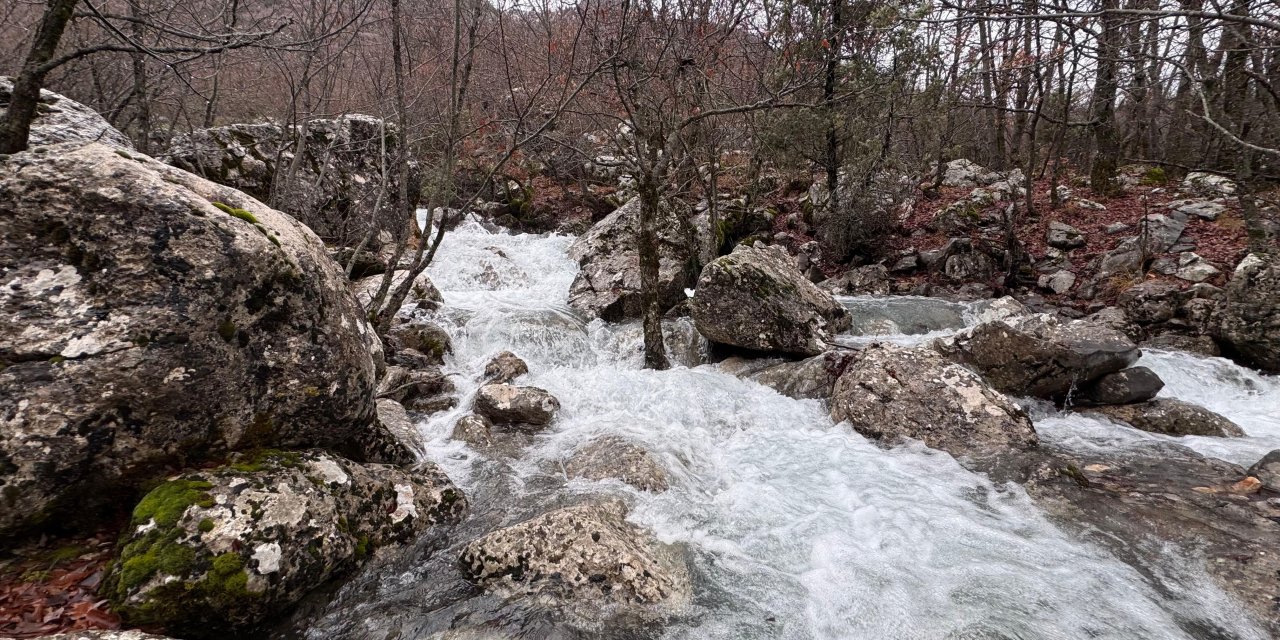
882	395
1193	268
334	185
1172	417
1248	322
1151	302
811	378
425	390
1206	209
220	551
1058	282
1157	233
100	634
474	430
504	367
60	119
509	404
585	560
1039	355
754	298
608	282
1208	184
966	174
154	318
426	338
1064	236
614	458
1135	384
1267	471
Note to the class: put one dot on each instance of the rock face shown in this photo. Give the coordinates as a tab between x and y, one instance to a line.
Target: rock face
223	549
586	559
612	457
1248	323
1267	470
152	317
509	404
60	119
1172	417
1040	356
893	392
1135	384
755	298
335	183
608	284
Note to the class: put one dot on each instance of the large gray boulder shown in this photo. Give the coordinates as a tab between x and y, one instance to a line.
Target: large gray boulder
153	318
1248	322
60	119
893	392
587	561
511	404
608	282
224	549
334	185
1039	355
1172	417
754	298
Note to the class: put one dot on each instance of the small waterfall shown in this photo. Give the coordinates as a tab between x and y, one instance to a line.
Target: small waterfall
794	527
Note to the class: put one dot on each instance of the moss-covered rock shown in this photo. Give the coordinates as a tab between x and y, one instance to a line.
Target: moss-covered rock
216	551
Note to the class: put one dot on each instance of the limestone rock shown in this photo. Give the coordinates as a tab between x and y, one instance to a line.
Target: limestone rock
227	548
145	326
1039	355
510	404
811	378
1208	184
474	430
608	284
755	299
587	560
60	119
615	458
1064	236
1172	417
869	280
1058	282
893	392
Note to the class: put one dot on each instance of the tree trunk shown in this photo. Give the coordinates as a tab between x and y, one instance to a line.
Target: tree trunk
15	129
655	349
139	63
1106	158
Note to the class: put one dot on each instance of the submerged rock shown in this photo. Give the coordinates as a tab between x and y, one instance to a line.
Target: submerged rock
614	458
1248	322
505	367
754	298
474	430
1172	417
60	119
586	561
214	551
1135	384
153	318
893	392
1039	355
510	404
608	284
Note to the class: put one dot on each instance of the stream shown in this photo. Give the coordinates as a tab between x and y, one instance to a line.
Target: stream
793	527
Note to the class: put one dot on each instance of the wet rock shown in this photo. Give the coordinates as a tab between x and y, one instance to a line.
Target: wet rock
755	299
881	395
613	458
474	430
1135	384
1040	355
1267	471
1064	236
423	292
399	439
1248	323
425	390
869	280
1172	417
608	283
505	367
190	331
509	404
426	338
811	378
587	561
1058	282
1203	345
60	119
222	550
335	184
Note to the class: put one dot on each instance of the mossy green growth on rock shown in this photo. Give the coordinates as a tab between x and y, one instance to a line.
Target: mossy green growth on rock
236	212
261	459
167	502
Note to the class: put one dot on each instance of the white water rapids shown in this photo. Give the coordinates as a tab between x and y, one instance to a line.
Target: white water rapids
796	527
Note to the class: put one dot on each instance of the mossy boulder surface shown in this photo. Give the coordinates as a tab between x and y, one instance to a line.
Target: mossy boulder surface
147	328
755	298
220	550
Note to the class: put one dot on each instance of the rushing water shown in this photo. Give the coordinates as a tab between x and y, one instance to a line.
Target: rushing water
794	527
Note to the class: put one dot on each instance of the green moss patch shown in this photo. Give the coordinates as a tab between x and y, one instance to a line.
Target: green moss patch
167	502
236	212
